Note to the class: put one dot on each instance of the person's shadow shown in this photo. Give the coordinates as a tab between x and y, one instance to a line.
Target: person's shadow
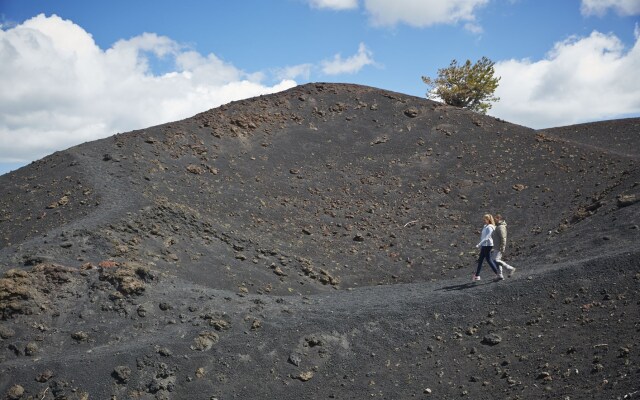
463	286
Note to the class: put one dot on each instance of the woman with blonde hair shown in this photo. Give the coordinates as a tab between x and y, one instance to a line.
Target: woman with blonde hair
485	245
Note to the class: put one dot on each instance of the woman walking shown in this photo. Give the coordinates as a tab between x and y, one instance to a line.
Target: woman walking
485	245
500	244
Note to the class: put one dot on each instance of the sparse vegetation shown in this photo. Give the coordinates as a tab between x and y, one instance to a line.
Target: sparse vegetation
465	86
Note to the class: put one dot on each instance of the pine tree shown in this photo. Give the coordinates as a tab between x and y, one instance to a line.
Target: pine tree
466	86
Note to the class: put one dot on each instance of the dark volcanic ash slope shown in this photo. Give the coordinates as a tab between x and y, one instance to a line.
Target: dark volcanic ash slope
206	257
335	184
615	136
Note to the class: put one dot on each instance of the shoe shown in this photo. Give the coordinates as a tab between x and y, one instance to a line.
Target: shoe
475	278
511	271
499	277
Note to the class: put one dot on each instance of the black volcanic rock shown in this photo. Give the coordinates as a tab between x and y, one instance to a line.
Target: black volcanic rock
319	242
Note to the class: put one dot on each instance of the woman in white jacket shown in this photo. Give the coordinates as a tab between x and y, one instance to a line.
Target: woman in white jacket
485	245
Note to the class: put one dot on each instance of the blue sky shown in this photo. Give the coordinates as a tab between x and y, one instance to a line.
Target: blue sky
74	71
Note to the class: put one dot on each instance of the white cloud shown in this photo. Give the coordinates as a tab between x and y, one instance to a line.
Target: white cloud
59	88
416	13
473	28
580	80
334	4
600	7
296	71
349	65
423	13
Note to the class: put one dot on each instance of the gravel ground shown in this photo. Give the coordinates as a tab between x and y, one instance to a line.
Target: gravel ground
319	243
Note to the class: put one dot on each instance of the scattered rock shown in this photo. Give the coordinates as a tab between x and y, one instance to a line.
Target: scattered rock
142	311
545	376
623	352
45	376
380	140
492	339
411	112
220	324
338	107
64	200
80	336
256	324
129	279
28	292
305	376
31	349
165	352
6	332
313	341
295	359
205	341
15	392
121	373
107	264
626	200
195	169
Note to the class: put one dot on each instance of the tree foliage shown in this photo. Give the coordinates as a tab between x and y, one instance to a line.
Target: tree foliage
466	86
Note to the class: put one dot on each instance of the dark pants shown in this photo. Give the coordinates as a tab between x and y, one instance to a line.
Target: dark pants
485	253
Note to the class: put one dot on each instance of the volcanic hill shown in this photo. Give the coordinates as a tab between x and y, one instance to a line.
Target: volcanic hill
319	243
